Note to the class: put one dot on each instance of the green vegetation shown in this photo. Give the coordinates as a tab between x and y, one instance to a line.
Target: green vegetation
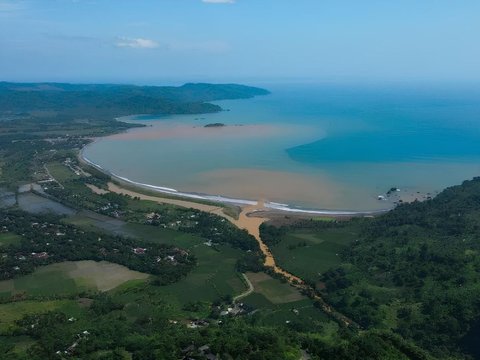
69	290
46	240
415	270
273	290
51	119
14	311
214	275
9	239
69	278
310	248
75	194
69	100
45	281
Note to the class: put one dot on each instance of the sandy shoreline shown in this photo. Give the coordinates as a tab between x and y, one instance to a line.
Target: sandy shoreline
217	210
193	197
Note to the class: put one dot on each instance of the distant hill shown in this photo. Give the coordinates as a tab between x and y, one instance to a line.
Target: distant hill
93	100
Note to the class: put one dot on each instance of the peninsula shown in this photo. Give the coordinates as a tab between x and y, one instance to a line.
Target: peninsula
84	101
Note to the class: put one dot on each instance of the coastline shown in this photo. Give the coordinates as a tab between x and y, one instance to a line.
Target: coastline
267	206
252	215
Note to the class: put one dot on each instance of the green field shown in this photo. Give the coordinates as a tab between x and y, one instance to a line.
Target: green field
91	221
9	239
61	172
308	253
70	278
11	312
208	282
20	343
214	275
273	290
283	305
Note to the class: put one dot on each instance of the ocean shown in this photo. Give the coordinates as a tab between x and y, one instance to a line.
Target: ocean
309	146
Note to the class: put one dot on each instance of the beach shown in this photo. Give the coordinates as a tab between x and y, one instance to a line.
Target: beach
194	199
217	210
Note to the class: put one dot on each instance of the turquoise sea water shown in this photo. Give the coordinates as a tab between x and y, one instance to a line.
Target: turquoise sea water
324	147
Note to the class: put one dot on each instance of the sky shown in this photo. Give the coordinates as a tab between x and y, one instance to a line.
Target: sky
174	41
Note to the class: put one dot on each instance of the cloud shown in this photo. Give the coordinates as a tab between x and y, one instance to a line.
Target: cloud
209	46
136	43
219	1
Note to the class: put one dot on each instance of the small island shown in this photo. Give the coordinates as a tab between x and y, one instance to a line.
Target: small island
215	125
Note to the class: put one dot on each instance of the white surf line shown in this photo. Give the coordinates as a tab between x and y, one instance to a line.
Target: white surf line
171	191
284	207
223	199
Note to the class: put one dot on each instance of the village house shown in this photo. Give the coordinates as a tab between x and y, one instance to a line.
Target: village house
42	255
195	324
139	251
181	251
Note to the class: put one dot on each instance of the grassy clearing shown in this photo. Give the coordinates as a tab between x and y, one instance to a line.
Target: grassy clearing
70	278
9	239
60	172
48	280
20	343
308	253
282	305
11	312
92	221
301	313
274	290
103	275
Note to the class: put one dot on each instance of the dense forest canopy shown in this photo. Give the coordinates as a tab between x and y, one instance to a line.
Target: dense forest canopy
416	271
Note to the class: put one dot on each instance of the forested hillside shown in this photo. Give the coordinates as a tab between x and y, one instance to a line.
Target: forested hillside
416	271
72	100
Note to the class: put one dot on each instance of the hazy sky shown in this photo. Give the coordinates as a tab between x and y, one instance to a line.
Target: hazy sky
155	41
